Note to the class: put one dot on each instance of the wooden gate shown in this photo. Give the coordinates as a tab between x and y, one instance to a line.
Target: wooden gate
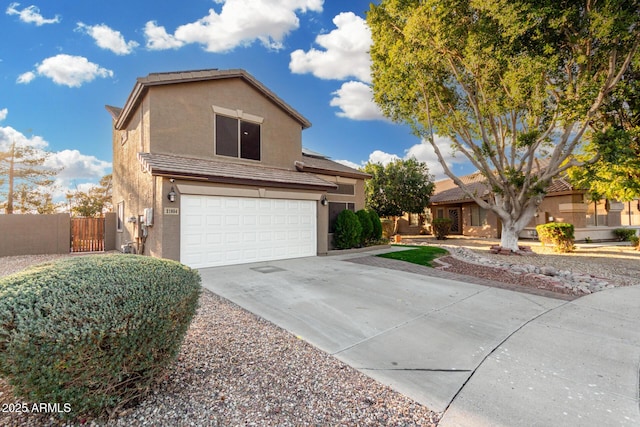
87	234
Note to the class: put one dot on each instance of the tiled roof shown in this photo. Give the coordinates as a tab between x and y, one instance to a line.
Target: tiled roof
322	165
229	173
114	111
156	79
447	191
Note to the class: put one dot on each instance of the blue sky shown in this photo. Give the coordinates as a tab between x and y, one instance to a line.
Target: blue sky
61	62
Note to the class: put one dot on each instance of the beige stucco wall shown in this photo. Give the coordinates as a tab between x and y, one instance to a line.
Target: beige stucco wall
182	120
131	184
491	229
35	234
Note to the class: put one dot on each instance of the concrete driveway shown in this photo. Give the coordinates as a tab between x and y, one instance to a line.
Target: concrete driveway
486	356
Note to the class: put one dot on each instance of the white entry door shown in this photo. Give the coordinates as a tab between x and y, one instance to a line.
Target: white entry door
216	230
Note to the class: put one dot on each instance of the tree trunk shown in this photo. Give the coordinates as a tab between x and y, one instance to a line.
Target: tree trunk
509	237
511	227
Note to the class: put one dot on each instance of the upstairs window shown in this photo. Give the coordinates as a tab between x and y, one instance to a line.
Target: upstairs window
237	134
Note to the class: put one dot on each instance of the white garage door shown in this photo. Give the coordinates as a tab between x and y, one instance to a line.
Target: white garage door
216	230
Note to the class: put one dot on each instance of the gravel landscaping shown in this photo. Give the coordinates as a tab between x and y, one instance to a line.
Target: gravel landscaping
238	369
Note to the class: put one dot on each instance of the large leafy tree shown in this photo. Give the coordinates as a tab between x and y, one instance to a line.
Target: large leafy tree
511	82
23	165
94	202
616	172
400	186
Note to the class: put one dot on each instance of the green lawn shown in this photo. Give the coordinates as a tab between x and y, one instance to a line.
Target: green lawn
422	255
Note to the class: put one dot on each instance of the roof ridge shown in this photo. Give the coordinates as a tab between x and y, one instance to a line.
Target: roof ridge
183	71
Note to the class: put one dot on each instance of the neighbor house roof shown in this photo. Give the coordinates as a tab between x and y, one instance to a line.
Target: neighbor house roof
315	163
446	191
229	173
156	79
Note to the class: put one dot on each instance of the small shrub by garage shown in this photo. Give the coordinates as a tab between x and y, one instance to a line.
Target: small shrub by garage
348	230
441	227
377	225
93	331
367	227
559	234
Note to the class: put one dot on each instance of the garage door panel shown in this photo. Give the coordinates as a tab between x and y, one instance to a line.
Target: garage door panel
219	230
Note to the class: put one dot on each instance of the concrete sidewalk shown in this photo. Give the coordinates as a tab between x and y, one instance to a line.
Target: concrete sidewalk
451	345
577	365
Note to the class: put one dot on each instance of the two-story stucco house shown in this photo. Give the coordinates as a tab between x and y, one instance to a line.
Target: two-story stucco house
209	170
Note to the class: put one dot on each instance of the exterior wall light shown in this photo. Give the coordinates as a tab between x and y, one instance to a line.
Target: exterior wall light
172	193
324	201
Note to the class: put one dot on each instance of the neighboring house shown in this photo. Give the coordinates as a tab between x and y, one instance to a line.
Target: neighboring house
208	169
563	203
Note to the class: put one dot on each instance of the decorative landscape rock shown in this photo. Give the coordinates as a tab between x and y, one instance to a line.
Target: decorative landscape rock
577	283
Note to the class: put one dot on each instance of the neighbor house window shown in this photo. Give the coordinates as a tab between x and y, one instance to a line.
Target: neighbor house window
414	219
120	218
334	210
597	213
478	216
237	134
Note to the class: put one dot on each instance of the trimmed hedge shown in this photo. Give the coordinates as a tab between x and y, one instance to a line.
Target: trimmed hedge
367	227
441	227
348	230
377	225
94	331
557	233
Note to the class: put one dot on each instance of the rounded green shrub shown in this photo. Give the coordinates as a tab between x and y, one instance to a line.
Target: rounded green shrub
94	331
376	234
559	234
441	227
624	234
348	230
367	226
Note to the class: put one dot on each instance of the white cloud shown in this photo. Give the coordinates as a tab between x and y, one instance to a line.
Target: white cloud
26	78
422	152
3	114
77	166
238	23
9	135
345	54
159	39
108	38
349	164
66	70
379	156
355	100
31	15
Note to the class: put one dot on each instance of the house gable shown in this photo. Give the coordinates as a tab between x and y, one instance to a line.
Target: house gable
182	113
